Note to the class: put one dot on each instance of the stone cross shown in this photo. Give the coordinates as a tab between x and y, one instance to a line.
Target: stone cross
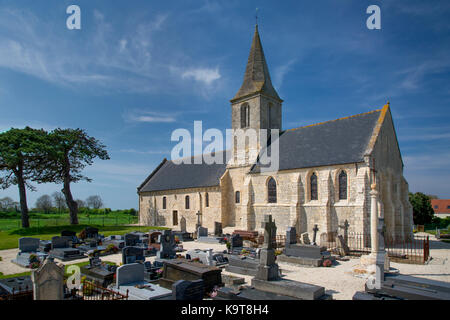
270	230
198	214
345	227
316	228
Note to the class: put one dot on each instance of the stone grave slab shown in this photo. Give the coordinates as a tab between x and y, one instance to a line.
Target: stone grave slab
183	269
188	290
130	279
132	255
29	253
61	249
242	265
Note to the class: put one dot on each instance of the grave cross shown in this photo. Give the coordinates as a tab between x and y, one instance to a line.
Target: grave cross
199	214
316	228
345	227
270	230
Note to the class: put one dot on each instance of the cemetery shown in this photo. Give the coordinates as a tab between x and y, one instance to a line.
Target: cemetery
237	265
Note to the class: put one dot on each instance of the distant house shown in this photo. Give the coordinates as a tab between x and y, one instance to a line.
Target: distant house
441	207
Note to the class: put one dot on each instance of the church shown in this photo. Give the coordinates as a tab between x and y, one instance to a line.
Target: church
324	174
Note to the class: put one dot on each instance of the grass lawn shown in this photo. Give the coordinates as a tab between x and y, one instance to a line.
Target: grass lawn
10	239
80	264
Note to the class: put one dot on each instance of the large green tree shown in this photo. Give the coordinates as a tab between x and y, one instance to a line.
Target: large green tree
21	152
422	209
71	151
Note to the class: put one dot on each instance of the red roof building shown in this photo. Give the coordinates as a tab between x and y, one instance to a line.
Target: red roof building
441	207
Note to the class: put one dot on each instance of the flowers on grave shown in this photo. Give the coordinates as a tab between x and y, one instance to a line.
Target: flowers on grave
177	240
82	234
112	248
213	293
278	252
245	252
228	244
35	265
327	263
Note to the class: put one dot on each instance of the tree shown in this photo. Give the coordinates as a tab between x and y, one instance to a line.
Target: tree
8	204
21	152
422	209
80	203
59	200
94	202
44	203
71	151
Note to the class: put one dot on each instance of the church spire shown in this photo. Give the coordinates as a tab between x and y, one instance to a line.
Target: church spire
257	77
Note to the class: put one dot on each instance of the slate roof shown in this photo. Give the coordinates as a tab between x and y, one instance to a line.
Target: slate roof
170	176
256	77
333	142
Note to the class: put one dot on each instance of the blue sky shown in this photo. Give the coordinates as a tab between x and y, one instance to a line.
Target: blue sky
138	70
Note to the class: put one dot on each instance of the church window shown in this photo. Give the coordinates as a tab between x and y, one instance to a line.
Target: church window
238	197
186	202
342	185
245	115
164	203
207	199
313	182
272	191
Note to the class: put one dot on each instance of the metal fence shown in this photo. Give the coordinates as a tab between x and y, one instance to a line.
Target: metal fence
24	293
93	291
415	250
9	224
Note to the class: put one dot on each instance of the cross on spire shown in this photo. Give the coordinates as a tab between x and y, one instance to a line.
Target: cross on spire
256	16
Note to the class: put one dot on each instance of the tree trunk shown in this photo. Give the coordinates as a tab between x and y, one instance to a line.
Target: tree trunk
23	199
71	204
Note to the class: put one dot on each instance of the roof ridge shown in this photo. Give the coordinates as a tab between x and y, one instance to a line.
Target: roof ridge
202	154
343	118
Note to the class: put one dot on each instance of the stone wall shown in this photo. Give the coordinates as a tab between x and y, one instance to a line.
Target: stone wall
152	213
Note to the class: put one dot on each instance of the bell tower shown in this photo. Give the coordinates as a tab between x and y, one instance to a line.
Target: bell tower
255	106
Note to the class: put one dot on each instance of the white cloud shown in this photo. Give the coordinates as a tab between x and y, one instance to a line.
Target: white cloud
137	115
205	75
281	71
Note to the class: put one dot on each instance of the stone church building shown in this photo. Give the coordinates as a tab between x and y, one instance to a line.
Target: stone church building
324	177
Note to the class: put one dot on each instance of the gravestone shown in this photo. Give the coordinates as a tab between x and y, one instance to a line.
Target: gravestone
91	232
268	269
342	247
60	248
48	281
268	277
97	271
202	232
344	227
236	242
244	265
29	255
132	255
131	239
323	239
188	290
182	269
315	230
207	257
305	238
167	245
130	280
183	224
303	254
218	232
291	236
29	244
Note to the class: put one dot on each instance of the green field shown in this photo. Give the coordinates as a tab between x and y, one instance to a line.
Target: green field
9	239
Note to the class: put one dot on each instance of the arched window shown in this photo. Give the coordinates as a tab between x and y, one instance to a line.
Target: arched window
245	115
237	197
207	200
313	183
164	203
186	202
272	191
342	185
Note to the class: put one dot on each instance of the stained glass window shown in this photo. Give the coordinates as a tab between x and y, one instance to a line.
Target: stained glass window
164	202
